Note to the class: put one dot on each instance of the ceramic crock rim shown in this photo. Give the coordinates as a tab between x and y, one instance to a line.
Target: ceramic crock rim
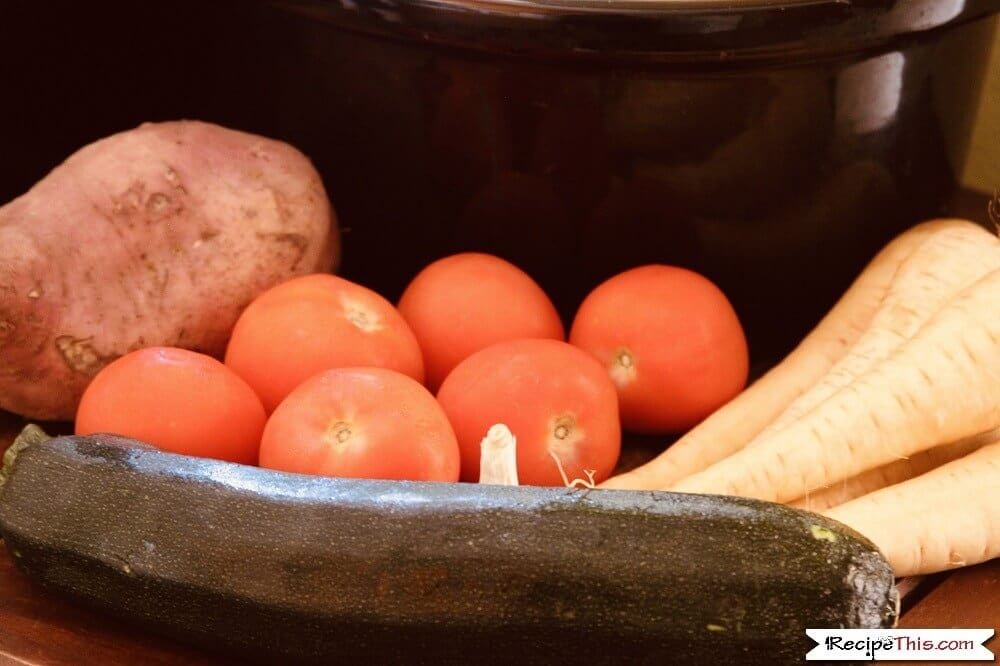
685	31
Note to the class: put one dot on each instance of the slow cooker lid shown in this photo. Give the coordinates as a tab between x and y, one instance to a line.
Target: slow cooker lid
706	30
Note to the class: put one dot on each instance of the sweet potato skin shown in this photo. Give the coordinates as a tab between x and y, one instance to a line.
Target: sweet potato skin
156	236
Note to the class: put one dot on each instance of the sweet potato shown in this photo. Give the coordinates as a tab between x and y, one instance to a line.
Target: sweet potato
158	236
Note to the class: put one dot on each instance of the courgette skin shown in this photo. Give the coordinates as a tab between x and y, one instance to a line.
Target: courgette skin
270	565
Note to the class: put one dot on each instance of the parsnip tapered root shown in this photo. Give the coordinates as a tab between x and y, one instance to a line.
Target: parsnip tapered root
731	427
942	265
893	473
946	518
942	385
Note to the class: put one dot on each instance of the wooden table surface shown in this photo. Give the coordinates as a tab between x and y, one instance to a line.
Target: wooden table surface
40	628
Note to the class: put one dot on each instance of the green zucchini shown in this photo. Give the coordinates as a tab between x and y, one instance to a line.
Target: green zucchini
272	565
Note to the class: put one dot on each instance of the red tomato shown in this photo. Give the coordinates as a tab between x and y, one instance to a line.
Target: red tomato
671	342
467	302
554	398
314	323
361	422
176	400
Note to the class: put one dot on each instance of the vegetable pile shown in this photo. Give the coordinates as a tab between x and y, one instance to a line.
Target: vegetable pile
211	244
339	371
902	375
158	236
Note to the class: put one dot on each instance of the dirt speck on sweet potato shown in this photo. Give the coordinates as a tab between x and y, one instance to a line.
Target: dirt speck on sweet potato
170	175
6	331
79	354
158	204
297	242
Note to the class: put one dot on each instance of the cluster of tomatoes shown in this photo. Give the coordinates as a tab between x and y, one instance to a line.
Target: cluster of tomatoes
323	376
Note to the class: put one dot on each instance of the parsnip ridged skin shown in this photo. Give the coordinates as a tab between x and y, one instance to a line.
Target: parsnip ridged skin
895	472
945	263
941	386
730	428
155	236
946	518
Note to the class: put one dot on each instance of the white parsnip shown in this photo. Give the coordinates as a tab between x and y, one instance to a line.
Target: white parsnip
729	429
942	385
887	417
942	265
946	518
895	472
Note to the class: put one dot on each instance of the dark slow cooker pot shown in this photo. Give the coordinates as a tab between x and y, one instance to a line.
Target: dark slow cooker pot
773	146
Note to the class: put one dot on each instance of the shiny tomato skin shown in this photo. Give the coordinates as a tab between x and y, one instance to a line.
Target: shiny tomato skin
467	302
670	340
553	397
176	400
362	423
315	323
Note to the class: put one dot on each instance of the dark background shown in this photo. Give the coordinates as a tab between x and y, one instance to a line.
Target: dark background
428	150
73	72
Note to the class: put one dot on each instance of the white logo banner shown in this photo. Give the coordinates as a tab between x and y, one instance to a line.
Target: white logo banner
900	644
